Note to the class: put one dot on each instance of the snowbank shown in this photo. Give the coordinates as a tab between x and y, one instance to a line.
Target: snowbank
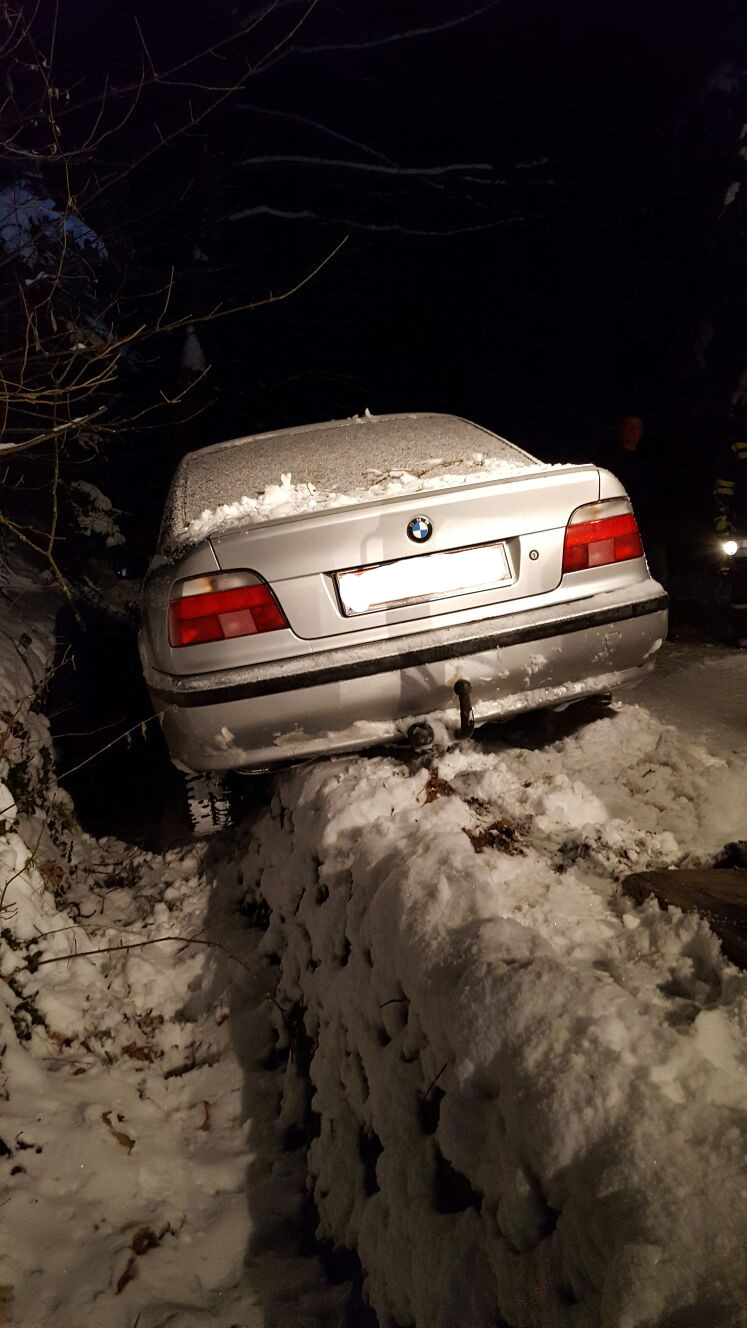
125	1137
527	1094
140	1179
111	1154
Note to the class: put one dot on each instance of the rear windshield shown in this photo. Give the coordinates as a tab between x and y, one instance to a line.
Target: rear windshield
328	465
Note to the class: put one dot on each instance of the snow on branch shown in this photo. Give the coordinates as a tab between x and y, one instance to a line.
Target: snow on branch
27	220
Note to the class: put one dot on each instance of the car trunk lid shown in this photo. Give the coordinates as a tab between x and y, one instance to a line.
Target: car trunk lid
516	524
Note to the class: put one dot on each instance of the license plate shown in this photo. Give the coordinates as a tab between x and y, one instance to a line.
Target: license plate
429	576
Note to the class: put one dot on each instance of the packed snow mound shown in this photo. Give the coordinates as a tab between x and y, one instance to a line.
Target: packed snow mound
316	467
525	1095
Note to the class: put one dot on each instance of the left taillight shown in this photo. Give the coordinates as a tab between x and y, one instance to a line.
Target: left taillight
221	607
601	533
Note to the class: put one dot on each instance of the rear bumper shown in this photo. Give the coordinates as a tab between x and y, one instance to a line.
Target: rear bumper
343	700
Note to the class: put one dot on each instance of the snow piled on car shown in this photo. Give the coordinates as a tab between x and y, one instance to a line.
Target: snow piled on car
522	1095
284	474
288	499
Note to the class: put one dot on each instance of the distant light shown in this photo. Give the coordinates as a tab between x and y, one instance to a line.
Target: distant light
730	547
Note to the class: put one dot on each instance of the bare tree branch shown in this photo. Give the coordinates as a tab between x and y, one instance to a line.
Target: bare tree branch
308	214
389	39
377	168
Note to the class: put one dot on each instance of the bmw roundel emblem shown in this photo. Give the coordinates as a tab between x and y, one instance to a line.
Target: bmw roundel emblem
419	529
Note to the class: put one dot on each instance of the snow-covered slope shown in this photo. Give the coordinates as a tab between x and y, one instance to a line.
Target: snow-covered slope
128	1133
528	1094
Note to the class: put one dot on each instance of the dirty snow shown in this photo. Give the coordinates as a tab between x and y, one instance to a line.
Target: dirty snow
516	1092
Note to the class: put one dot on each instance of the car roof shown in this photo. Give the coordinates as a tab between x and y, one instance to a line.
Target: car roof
337	455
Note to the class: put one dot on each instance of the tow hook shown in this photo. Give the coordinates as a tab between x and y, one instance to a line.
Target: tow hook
463	690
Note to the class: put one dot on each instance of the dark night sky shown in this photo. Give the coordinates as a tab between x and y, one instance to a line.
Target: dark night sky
572	288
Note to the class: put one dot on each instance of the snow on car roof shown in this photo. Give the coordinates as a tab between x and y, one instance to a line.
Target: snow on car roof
271	475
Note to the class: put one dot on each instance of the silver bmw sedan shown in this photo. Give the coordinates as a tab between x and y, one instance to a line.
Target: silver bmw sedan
341	585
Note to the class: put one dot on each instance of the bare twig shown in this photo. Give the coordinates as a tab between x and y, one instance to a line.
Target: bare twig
120	738
389	39
433	1082
136	945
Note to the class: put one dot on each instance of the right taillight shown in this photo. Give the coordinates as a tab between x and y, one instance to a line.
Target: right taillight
221	607
601	533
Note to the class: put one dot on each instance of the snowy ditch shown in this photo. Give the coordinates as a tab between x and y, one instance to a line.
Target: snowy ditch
521	1095
141	1185
408	1006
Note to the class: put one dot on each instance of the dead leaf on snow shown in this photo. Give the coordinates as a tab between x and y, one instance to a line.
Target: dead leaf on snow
143	1240
52	873
436	787
140	1052
501	835
119	1135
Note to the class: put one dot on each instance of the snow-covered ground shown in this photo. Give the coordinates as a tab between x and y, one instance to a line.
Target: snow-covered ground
519	1096
135	1108
528	1092
702	690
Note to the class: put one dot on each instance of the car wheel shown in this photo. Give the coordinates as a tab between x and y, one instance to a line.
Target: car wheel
208	803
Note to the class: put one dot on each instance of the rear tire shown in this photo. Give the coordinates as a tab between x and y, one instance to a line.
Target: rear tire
208	803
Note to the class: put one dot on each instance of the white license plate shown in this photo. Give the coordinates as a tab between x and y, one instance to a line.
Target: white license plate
429	576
